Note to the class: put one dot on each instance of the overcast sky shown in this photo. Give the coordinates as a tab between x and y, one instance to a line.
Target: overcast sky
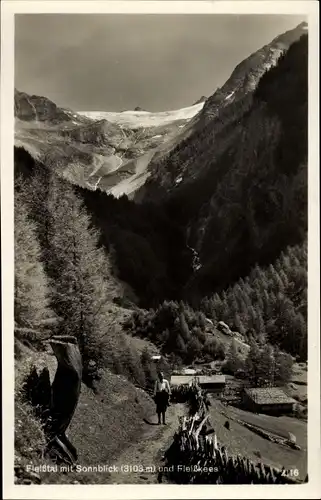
106	62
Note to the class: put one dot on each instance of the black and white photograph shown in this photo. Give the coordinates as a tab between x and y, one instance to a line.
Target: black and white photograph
160	230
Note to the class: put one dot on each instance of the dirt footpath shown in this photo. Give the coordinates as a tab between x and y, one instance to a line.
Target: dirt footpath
139	463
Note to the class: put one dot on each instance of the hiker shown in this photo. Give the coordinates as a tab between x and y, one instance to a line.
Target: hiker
162	392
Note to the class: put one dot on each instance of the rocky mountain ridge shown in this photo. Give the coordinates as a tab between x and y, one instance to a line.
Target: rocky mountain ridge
133	152
226	104
238	181
245	77
31	108
227	188
91	151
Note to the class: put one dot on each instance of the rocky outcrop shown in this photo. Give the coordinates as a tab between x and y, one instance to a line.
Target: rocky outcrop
65	392
55	404
201	99
38	108
99	133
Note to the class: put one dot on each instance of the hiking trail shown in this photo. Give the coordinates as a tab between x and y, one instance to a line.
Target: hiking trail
148	452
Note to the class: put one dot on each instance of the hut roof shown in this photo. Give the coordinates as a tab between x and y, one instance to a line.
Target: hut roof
202	379
182	379
212	379
189	371
269	395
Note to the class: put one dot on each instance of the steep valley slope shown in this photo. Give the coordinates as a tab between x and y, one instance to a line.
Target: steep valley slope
238	184
242	198
226	188
219	116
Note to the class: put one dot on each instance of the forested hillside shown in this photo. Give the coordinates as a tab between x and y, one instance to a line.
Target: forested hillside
250	200
148	246
270	304
268	307
64	283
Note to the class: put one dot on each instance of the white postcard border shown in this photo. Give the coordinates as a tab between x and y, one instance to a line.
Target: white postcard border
313	488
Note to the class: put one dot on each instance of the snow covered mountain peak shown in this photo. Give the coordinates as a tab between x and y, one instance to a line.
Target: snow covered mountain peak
141	119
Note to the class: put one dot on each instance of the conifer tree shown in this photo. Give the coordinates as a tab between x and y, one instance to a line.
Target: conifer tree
233	361
232	304
239	324
200	318
207	306
259	325
252	363
276	280
180	346
131	363
283	367
267	304
252	316
212	311
284	278
183	327
225	312
210	348
267	366
80	275
296	333
31	299
193	349
218	307
164	337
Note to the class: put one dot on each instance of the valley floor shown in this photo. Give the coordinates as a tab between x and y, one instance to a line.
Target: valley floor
238	440
119	427
242	441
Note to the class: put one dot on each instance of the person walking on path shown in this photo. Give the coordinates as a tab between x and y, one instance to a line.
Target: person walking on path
162	392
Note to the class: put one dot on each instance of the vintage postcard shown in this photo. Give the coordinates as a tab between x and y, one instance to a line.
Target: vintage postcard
160	255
